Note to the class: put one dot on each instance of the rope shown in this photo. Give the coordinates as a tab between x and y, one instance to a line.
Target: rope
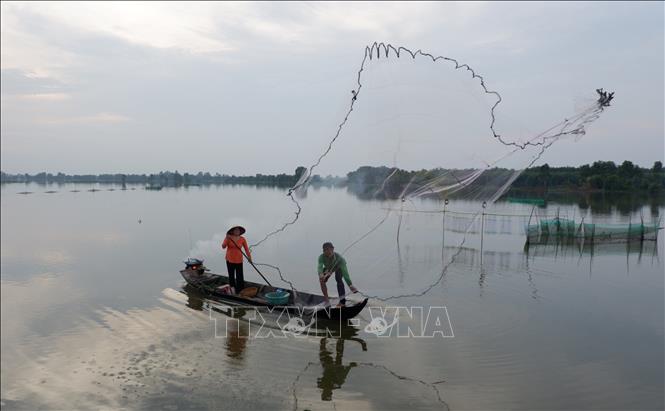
573	126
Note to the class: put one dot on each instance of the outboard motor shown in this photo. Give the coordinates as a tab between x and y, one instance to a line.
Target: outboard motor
194	264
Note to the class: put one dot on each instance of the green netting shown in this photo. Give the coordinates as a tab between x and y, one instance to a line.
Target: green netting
558	226
565	227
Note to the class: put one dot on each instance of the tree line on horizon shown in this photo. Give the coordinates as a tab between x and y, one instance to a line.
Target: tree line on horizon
599	176
166	178
603	176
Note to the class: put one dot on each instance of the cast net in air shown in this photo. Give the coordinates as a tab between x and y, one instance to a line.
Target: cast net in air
422	134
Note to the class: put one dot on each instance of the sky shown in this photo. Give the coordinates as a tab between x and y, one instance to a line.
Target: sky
245	88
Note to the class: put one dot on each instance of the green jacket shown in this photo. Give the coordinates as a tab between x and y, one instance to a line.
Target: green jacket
332	264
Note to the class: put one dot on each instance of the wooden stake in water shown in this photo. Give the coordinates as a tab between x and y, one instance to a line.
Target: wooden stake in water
443	235
482	232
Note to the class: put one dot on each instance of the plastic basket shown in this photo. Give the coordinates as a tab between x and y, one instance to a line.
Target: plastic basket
278	298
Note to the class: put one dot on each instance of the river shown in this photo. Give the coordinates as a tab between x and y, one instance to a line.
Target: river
94	314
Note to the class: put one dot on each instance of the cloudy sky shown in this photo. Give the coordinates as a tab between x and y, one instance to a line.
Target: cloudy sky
242	88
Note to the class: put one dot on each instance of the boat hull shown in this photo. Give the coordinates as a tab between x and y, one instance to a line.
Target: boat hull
301	303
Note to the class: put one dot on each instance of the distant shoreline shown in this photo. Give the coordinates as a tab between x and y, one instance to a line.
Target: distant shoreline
599	177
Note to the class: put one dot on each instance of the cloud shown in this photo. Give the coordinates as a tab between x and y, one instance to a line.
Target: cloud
217	28
44	96
254	73
26	51
166	25
99	118
16	81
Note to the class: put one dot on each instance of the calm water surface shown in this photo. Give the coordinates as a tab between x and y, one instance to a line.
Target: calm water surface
94	314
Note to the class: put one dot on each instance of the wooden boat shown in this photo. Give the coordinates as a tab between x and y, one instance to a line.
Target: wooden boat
209	285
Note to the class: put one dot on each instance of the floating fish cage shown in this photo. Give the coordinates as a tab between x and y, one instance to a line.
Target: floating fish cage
568	228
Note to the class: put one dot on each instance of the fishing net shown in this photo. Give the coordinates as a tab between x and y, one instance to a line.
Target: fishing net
559	227
425	145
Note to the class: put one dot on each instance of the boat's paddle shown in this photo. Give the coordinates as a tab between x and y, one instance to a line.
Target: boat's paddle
250	261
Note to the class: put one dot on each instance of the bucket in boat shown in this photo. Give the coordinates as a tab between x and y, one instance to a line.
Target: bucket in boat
278	297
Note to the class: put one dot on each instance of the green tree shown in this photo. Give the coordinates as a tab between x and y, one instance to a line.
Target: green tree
177	179
627	169
545	174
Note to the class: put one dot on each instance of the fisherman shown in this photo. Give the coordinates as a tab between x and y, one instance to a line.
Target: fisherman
233	243
331	262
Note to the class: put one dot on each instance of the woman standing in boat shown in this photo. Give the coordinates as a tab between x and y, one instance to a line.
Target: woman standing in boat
232	243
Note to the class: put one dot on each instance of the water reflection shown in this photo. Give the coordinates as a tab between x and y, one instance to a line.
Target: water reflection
194	298
598	202
565	247
388	389
237	335
238	331
334	370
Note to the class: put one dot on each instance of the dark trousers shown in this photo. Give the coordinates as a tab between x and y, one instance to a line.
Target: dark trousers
236	279
340	285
